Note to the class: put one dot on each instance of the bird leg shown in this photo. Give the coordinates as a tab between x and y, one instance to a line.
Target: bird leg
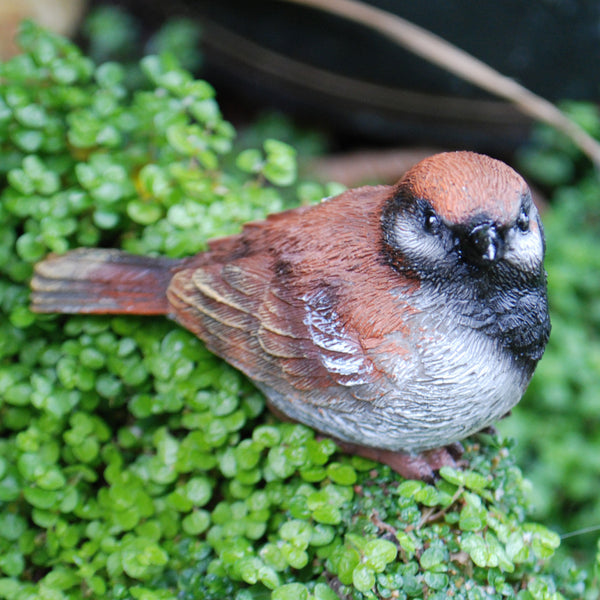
411	466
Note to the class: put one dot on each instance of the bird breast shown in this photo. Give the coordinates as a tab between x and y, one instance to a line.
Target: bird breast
443	380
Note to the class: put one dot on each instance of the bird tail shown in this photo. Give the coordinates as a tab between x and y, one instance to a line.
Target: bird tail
102	281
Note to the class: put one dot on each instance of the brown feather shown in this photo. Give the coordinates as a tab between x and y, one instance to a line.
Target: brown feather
92	280
253	302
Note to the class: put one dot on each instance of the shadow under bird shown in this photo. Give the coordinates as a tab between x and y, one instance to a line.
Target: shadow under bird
395	319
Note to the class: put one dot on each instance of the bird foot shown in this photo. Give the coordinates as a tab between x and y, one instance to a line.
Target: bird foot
411	466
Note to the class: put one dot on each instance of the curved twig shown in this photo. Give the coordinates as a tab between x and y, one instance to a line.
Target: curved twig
438	51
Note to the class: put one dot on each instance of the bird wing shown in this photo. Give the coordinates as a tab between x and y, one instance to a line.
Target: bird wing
271	330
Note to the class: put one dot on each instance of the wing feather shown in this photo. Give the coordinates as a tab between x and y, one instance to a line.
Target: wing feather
275	333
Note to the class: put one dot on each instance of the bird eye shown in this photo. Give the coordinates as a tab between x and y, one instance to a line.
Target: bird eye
523	220
431	221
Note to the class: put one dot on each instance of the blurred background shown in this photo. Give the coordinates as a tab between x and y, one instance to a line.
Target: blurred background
351	81
360	109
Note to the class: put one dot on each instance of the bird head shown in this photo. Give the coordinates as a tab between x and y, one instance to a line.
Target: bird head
466	211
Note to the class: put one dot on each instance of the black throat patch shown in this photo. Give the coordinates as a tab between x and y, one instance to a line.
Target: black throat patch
512	309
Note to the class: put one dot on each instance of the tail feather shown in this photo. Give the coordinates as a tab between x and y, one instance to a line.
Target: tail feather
101	281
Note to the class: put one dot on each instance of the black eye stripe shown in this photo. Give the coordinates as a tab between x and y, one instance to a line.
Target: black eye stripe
432	221
523	219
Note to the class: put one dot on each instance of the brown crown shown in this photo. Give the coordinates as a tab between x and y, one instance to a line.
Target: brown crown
463	185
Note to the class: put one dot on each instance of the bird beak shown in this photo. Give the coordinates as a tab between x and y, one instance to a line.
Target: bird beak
483	244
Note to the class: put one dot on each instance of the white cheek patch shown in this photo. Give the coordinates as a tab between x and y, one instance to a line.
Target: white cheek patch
418	247
525	250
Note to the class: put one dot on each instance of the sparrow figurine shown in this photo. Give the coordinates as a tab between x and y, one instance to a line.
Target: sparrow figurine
395	319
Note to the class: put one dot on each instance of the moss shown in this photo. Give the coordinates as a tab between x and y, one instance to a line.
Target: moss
134	464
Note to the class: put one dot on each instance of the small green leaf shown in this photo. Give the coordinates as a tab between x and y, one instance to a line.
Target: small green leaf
290	591
12	563
250	161
342	474
544	541
109	74
142	557
198	490
297	532
21	182
323	592
363	578
348	560
51	479
475	481
12	526
196	522
319	451
271	555
436	581
378	553
322	535
476	548
434	558
32	115
516	549
280	167
473	514
407	489
106	219
279	463
30	248
294	556
499	552
28	140
41	498
452	475
406	541
327	515
144	213
429	496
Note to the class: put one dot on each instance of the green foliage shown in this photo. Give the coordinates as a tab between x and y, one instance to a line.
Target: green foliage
558	422
112	34
134	464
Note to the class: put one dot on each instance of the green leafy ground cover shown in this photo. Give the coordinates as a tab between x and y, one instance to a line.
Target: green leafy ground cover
133	464
557	424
